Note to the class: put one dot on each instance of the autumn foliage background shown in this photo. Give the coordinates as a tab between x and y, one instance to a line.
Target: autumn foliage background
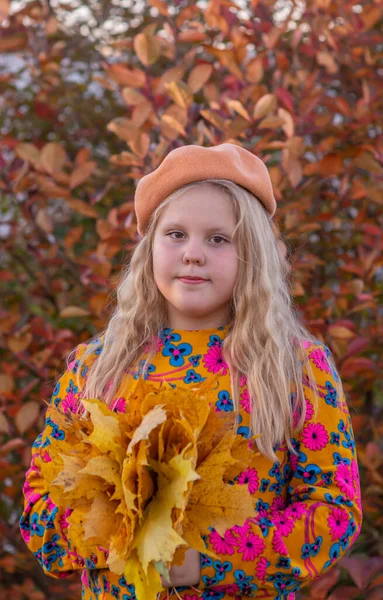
92	99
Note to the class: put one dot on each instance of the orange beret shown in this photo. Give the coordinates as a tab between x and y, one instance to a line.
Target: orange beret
197	163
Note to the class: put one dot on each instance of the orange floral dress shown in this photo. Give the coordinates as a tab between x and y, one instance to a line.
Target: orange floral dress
307	508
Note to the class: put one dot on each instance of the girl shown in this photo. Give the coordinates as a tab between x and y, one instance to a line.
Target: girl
206	291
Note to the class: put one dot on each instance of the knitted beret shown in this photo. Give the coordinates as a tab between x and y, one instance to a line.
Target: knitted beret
191	163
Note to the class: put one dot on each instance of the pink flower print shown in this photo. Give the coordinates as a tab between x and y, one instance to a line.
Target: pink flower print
120	405
306	344
71	364
251	546
283	524
278	543
85	578
343	478
241	529
223	545
320	360
231	589
294	462
157	344
261	568
213	360
356	483
45	457
315	436
296	511
70	403
250	476
243	380
338	522
245	401
278	503
63	519
309	410
50	505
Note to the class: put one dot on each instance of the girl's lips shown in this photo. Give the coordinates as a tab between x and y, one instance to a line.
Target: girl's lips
192	281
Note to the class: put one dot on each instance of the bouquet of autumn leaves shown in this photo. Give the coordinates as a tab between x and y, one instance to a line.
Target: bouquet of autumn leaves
150	481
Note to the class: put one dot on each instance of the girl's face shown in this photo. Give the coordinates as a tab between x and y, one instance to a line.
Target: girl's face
193	238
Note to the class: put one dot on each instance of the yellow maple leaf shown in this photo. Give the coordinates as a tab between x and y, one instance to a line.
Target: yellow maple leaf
149	482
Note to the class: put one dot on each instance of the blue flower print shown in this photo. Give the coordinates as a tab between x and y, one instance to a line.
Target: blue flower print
331	396
177	353
115	591
48	561
244	582
192	376
150	369
334	555
89	564
84	370
277	488
224	402
206	561
98	350
283	563
57	433
335	438
338	459
209	581
72	387
261	505
75	366
264	485
244	431
308	473
264	525
35	528
296	572
350	445
327	477
312	549
344	541
51	519
221	568
195	360
315	547
215	340
212	595
275	471
129	586
168	337
57	389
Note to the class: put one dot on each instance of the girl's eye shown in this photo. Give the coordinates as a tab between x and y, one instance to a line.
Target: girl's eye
214	236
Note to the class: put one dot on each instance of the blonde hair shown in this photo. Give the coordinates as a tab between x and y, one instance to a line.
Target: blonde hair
265	335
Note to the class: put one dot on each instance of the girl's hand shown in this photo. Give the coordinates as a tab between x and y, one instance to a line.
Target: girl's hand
186	574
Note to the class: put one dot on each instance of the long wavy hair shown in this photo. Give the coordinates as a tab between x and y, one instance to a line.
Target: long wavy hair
265	340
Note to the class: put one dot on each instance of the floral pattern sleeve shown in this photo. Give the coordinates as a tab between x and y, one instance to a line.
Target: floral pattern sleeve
315	515
44	525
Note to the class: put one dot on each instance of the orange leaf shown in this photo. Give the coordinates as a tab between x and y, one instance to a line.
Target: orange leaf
82	207
81	174
53	157
73	311
147	48
265	105
26	416
199	76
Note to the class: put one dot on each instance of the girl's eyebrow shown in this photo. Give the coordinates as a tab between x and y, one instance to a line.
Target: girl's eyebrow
208	229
